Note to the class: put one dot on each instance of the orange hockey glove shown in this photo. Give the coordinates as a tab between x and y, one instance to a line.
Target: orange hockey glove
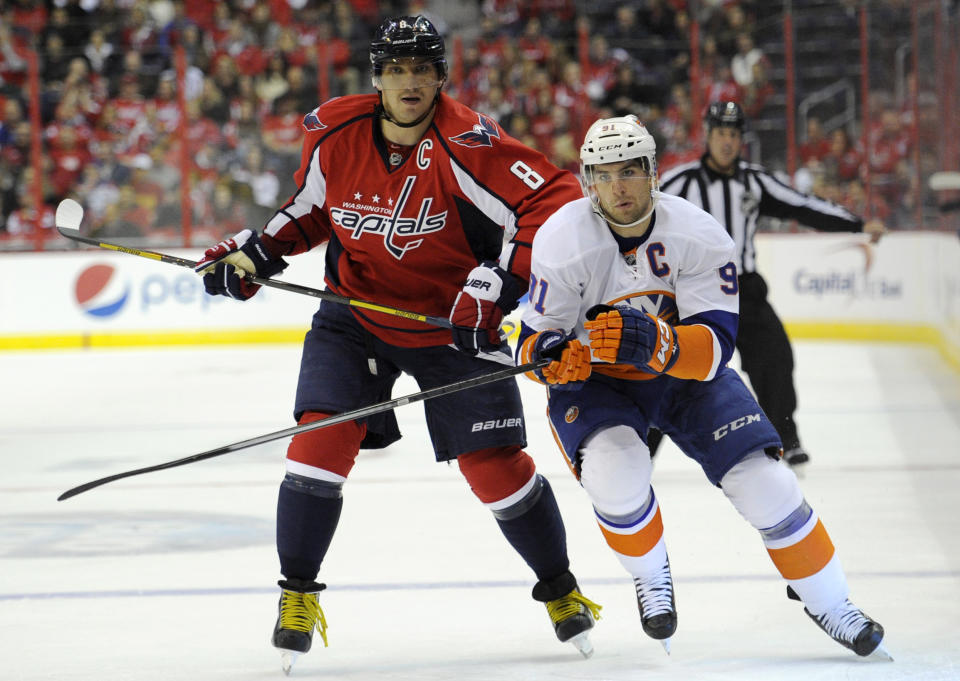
571	365
624	335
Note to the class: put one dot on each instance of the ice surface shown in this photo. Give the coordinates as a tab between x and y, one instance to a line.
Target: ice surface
172	575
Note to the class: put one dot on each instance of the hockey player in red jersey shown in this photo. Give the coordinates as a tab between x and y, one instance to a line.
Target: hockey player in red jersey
424	205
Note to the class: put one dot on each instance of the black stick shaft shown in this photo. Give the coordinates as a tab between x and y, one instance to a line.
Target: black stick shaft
441	322
323	423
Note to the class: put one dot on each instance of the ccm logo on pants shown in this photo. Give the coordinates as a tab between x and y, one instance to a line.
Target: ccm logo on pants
494	425
735	425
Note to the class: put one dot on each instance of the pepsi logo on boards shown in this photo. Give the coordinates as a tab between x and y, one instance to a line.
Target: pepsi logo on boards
100	292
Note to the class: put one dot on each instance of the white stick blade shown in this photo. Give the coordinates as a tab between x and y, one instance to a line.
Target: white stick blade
69	215
944	180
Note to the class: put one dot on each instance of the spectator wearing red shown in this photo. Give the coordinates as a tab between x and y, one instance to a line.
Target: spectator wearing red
722	88
758	92
842	162
533	44
69	157
201	12
282	130
490	44
600	71
166	104
816	145
21	221
29	15
13	61
129	103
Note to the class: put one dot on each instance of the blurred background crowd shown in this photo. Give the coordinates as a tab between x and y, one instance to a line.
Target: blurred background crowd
112	95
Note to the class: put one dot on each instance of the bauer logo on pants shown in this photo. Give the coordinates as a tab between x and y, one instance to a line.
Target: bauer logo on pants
100	292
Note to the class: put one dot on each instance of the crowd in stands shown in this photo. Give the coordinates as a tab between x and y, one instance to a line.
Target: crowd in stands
110	102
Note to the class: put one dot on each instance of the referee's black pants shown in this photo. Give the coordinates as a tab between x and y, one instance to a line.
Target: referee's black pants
767	358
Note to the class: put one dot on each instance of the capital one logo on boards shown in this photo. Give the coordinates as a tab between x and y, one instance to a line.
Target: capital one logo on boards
100	292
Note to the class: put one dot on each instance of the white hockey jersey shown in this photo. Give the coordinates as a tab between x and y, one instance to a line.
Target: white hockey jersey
682	272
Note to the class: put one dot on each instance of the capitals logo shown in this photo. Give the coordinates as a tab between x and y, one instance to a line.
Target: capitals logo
312	122
100	292
482	134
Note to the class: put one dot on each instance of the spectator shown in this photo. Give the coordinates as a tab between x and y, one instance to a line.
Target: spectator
816	145
842	161
626	95
99	53
742	63
69	158
56	63
600	72
757	93
272	83
125	218
21	221
626	33
13	63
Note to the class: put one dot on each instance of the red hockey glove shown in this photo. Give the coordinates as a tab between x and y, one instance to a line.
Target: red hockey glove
489	293
627	336
225	265
571	365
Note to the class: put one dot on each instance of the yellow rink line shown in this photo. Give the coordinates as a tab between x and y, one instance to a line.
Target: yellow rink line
74	341
860	332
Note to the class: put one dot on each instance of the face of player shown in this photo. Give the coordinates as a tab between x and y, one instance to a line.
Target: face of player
623	189
723	146
409	86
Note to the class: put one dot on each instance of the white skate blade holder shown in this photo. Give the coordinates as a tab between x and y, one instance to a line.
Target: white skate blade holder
880	654
582	643
287	659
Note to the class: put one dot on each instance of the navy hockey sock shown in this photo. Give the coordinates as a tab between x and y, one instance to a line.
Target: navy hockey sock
307	514
534	528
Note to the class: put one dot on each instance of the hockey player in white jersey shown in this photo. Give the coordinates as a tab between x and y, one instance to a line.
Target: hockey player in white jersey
634	296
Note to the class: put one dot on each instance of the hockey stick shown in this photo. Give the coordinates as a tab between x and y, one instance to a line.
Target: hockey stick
70	214
323	423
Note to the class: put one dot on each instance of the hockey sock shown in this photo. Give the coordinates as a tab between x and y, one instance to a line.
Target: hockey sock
534	528
307	514
768	496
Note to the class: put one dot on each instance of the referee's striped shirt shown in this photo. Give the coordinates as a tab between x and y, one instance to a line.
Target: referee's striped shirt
737	201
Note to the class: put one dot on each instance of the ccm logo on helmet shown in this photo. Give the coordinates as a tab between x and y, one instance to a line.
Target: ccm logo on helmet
496	424
736	424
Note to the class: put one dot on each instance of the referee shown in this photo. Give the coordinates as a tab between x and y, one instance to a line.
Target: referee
737	193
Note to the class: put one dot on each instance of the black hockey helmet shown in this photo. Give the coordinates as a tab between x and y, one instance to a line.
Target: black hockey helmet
725	115
407	36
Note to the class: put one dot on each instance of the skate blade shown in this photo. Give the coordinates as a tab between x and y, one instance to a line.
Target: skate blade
665	642
287	659
582	643
881	653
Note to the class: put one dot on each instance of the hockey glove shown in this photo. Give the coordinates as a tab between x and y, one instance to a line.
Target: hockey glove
489	293
571	365
225	265
627	336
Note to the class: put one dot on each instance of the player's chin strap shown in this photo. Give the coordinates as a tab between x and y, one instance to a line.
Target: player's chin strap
381	111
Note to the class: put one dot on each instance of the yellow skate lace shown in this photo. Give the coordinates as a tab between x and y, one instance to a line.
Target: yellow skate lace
569	605
302	612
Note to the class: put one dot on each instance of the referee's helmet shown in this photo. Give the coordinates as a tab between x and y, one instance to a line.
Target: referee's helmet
725	115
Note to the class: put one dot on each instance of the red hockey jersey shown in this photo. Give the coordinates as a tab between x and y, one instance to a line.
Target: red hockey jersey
407	234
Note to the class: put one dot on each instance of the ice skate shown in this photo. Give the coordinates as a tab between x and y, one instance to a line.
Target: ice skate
796	458
571	613
657	605
299	614
850	627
